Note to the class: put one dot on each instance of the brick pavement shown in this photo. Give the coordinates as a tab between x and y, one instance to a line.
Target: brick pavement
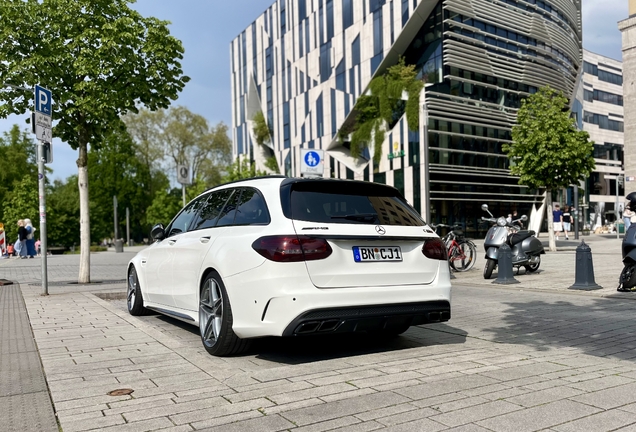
529	357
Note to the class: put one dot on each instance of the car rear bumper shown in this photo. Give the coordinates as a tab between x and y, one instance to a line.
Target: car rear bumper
368	318
274	301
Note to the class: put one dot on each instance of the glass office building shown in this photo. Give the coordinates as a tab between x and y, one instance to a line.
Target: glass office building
304	63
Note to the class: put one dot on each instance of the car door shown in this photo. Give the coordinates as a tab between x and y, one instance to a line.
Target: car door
192	247
160	258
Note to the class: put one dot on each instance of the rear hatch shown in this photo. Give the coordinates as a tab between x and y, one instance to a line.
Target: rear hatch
376	237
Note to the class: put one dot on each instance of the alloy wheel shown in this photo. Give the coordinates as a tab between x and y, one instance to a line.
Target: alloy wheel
132	289
210	312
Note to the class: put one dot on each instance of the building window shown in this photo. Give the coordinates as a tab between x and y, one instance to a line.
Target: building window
405	12
347	14
320	117
325	62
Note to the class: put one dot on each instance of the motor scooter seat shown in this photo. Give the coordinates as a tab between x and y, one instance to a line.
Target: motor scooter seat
520	236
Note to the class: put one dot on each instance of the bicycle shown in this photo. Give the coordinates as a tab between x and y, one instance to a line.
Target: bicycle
462	253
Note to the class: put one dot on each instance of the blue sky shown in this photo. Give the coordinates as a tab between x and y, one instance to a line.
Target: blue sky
206	28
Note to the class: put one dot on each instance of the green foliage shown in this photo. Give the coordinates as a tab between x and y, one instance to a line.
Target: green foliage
169	138
21	203
547	149
376	110
262	132
17	161
62	202
272	164
100	59
242	169
165	205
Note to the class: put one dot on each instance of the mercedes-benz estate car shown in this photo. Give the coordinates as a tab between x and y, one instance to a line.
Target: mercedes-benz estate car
278	256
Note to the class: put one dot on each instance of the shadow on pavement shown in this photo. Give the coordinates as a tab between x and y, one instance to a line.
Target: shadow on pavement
598	327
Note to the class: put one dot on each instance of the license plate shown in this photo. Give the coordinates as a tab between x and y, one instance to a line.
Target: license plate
375	254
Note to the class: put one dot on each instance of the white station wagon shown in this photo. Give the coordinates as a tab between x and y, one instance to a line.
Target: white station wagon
278	256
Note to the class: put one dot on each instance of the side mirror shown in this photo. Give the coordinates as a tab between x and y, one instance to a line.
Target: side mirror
158	232
524	218
484	207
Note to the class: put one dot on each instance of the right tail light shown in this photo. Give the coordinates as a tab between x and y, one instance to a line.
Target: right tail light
292	248
435	249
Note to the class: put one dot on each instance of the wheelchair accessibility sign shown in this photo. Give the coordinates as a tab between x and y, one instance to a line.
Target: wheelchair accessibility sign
311	163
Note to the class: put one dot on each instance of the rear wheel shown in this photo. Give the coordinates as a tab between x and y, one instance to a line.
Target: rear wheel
627	280
463	256
134	298
215	319
531	268
488	269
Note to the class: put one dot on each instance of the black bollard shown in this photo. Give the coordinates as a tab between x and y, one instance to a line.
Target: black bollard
504	267
584	275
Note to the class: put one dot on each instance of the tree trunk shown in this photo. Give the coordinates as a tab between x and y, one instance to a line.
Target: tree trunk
548	204
85	225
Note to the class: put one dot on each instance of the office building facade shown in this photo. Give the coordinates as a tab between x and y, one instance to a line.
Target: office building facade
603	119
304	63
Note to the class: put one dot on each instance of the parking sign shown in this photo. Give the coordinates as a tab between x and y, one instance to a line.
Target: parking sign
43	100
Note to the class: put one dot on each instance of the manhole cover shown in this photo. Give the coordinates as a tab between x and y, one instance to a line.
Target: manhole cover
120	392
5	282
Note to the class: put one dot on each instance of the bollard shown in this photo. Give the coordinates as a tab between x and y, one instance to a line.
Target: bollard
584	274
504	267
119	245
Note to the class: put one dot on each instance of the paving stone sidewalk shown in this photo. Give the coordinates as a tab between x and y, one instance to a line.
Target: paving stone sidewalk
533	357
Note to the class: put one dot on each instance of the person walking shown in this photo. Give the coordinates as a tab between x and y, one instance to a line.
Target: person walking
627	218
22	237
30	242
567	219
557	220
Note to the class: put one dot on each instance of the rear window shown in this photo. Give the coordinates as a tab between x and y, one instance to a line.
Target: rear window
337	203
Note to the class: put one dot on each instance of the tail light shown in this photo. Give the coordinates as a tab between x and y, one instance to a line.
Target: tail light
292	248
435	249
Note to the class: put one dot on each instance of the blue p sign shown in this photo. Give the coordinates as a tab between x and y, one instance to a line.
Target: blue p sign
43	100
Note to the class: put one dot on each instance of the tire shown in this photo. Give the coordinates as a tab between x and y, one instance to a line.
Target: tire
488	269
215	319
134	297
627	279
464	256
531	268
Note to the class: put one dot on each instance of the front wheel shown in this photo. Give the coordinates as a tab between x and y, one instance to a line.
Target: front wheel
531	268
627	279
463	256
488	269
134	297
215	319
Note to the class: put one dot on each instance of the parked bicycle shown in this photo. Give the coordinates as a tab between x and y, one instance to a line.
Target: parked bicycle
462	252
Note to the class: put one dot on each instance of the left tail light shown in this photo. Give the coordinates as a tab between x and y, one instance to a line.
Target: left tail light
435	249
292	248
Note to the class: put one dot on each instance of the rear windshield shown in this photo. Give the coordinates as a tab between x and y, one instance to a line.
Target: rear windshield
343	205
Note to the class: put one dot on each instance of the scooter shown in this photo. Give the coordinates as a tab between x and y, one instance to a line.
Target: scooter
627	279
525	247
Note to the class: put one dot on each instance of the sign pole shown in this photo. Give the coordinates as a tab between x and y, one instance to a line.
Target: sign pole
42	190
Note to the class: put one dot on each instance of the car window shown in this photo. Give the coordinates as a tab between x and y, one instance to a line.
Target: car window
211	209
184	219
229	211
350	208
252	209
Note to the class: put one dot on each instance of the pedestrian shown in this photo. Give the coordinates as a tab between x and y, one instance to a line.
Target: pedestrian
11	250
515	217
627	217
557	218
30	242
22	238
37	247
567	219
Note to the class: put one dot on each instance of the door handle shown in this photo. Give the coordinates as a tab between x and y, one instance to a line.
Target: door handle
204	239
171	242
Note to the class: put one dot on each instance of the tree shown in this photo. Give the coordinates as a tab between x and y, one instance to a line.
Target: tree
242	169
63	212
383	107
22	203
17	161
100	58
166	139
547	150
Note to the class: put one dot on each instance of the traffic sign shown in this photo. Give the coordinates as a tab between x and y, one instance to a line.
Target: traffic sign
311	162
183	174
43	100
43	133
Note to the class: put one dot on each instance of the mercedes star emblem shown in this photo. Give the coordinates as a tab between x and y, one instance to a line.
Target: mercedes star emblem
380	230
